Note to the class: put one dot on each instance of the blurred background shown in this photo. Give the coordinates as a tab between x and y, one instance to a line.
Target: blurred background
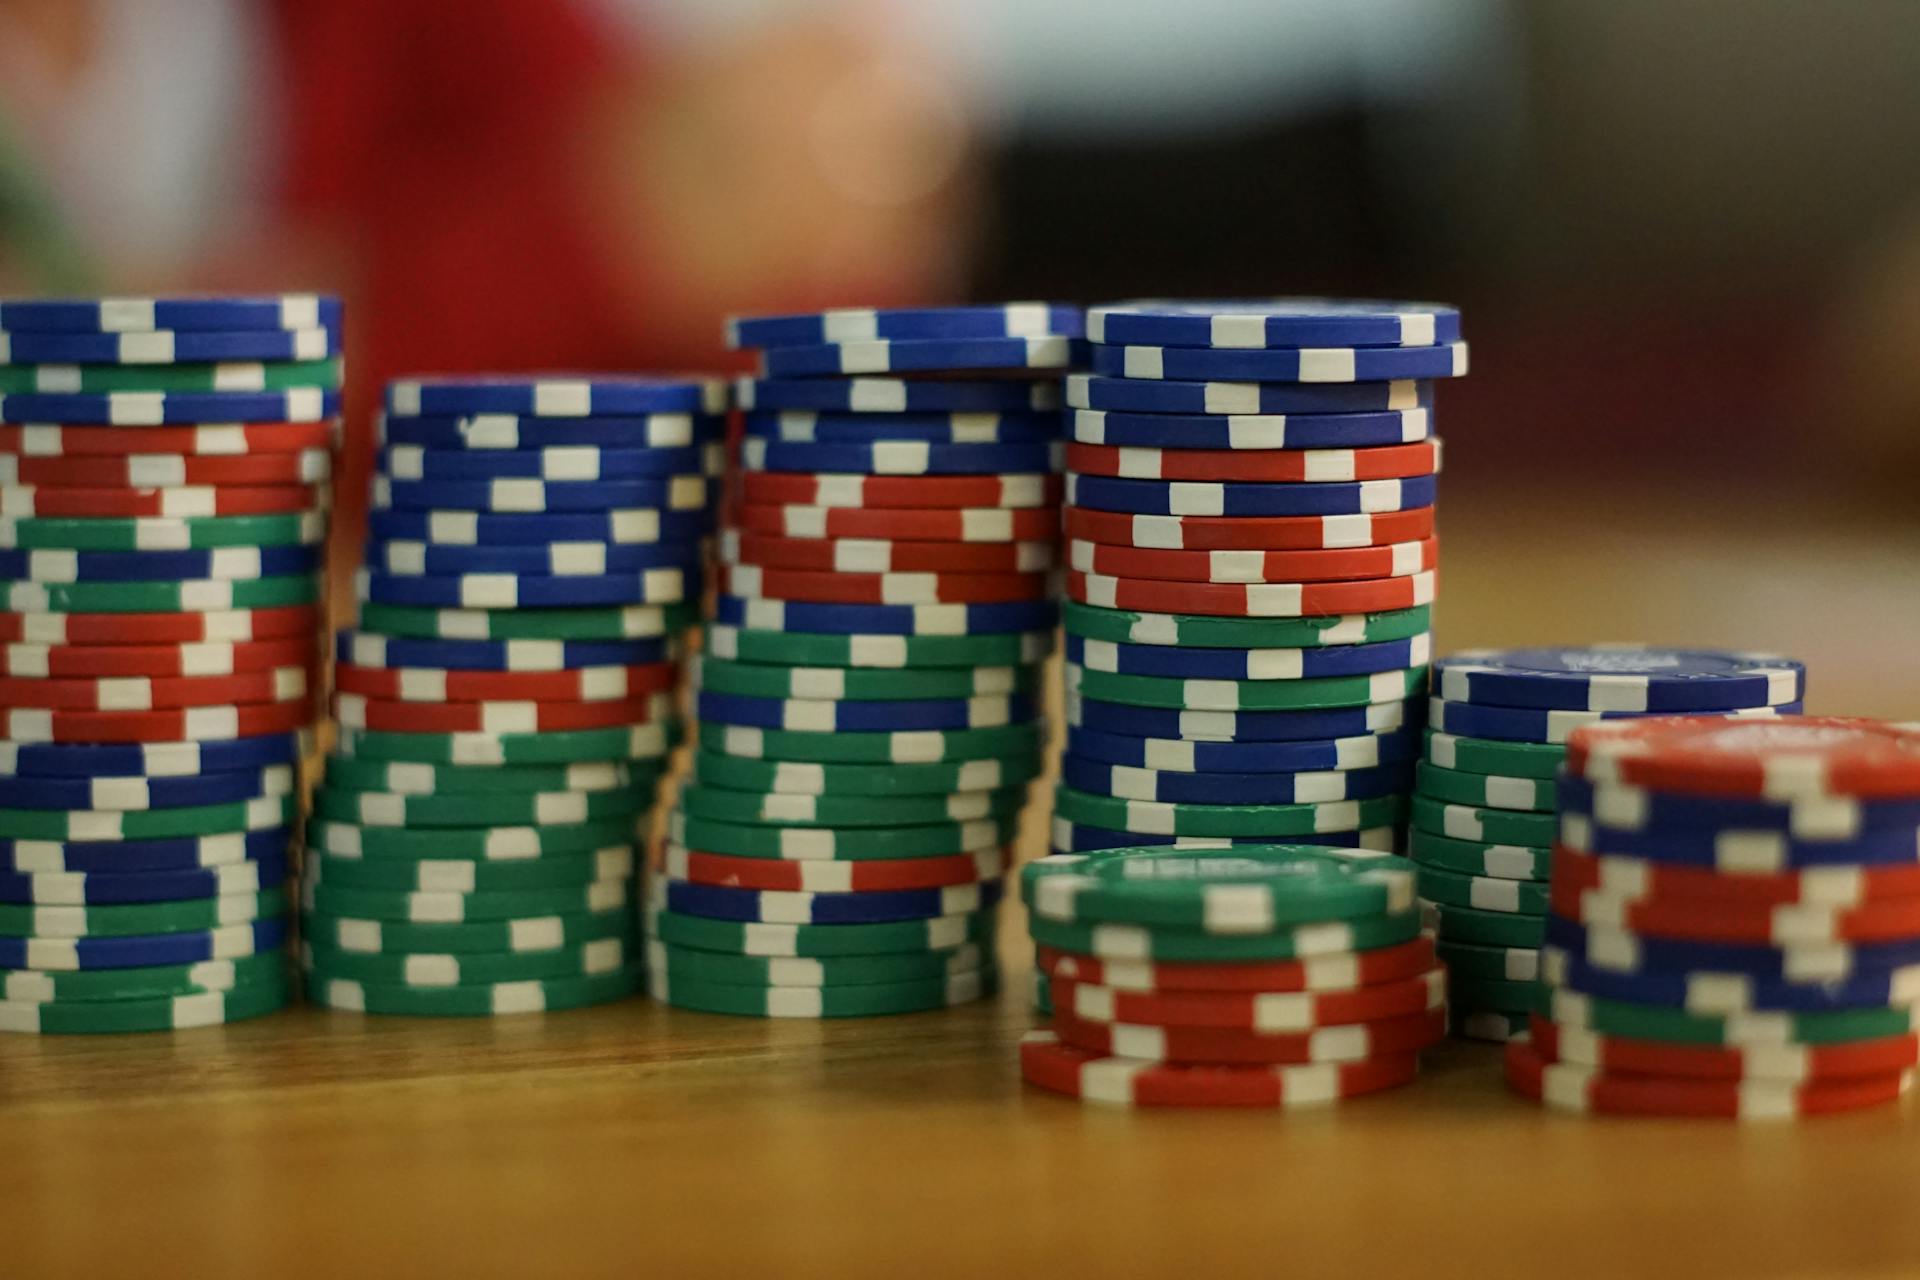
1685	233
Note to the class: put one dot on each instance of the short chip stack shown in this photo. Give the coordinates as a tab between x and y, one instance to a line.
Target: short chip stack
1268	976
164	486
1735	921
506	703
1250	528
868	697
1483	813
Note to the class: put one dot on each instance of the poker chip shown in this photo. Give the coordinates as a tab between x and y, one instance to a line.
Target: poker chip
1239	726
1190	532
1463	822
1196	631
356	711
913	747
233	376
1179	755
1487	791
874	875
119	954
163	533
167	1013
1784	1063
171	408
366	649
152	982
120	793
1480	857
153	470
1277	322
460	908
434	684
183	501
62	888
203	595
852	357
1083	837
1397	560
880	619
898	395
701	801
1228	1047
456	971
880	555
553	462
862	907
20	921
670	985
632	622
896	458
223	563
1249	431
821	715
511	591
169	346
800	972
815	649
1268	466
966	525
352	840
617	527
1215	498
477	1000
355	774
1263	600
1277	821
1176	663
129	315
148	693
1305	365
555	397
725	676
946	492
1049	1064
470	809
747	839
850	781
212	658
1261	1012
1622	951
932	934
913	324
650	741
1185	787
1246	695
1530	724
1153	395
932	428
538	497
752	582
1621	678
511	431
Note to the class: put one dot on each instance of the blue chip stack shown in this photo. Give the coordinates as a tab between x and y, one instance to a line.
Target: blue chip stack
869	696
1484	810
165	466
506	701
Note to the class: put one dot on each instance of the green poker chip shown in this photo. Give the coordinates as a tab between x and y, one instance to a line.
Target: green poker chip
1677	1026
1497	964
800	778
351	840
1501	995
1245	889
640	742
1042	993
1451	923
458	908
670	985
1193	631
188	915
428	970
1485	790
632	622
1479	858
479	1000
1486	1024
162	533
1497	826
823	941
926	841
835	971
158	982
1275	821
353	774
210	595
921	747
1110	941
89	379
817	649
1483	893
1247	695
465	812
842	684
1540	760
158	1013
148	824
527	932
849	811
458	875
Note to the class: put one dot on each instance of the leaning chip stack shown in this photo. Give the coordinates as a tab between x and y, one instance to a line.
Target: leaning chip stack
164	488
1484	810
506	702
1251	555
1268	976
1735	921
869	702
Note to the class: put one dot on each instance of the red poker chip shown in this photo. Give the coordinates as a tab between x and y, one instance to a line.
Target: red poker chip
1253	1010
879	555
147	693
180	501
159	628
158	470
1839	1060
1026	489
755	583
1846	885
1337	971
214	658
863	876
971	524
1785	758
1348	1042
1397	560
1267	600
1248	533
355	711
1130	1082
1709	920
574	684
187	724
1387	462
227	439
1571	1087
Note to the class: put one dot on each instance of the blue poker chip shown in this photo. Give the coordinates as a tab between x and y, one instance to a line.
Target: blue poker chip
1707	846
1250	431
166	792
510	591
782	907
934	428
1532	724
1078	837
1187	498
850	324
143	315
564	558
1175	787
111	887
636	526
152	759
921	355
556	396
141	951
898	395
484	432
579	462
1654	811
1303	756
1241	726
1145	395
899	458
160	408
168	346
365	649
1649	954
542	497
1174	662
1620	678
1256	323
1722	991
886	619
897	716
1314	365
105	857
158	566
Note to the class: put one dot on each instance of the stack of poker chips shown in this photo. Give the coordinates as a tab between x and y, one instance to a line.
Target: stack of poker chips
868	698
164	472
506	702
1735	921
1269	976
1483	809
1251	568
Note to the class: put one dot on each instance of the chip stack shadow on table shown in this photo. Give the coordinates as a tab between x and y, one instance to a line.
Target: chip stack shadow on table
506	700
1484	818
165	468
868	697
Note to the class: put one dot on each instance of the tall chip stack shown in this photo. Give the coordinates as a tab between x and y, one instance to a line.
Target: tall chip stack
1281	976
165	468
1251	548
506	701
869	703
1734	921
1484	811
